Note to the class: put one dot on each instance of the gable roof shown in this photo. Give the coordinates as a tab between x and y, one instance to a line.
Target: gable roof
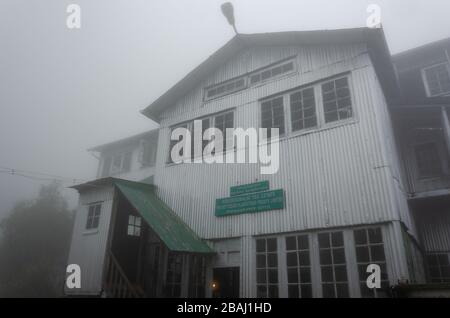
375	39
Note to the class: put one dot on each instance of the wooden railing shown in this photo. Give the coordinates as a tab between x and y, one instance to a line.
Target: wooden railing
117	284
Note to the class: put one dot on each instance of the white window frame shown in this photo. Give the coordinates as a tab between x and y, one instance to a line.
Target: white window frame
247	78
118	170
320	115
190	127
135	225
425	80
89	219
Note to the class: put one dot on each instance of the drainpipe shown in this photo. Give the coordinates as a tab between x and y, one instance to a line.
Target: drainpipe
446	127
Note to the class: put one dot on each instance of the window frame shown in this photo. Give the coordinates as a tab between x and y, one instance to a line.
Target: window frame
134	225
441	159
90	219
425	79
190	126
318	99
112	156
247	78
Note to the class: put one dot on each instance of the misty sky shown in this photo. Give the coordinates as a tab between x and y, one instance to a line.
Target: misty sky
63	91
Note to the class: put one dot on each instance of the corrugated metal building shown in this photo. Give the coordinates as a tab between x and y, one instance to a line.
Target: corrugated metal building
346	192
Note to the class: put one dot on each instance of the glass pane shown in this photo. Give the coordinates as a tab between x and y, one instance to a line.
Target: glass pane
375	235
306	291
337	239
292	275
339	256
328	291
303	242
261	261
260	245
291	243
293	291
291	259
325	257
340	273
342	290
327	274
272	245
272	260
360	237
273	275
305	275
261	276
324	240
131	219
304	258
362	254
261	291
377	253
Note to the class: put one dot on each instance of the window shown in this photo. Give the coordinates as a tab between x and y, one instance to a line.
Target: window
116	164
370	250
439	267
225	88
303	109
148	153
298	267
221	121
437	79
304	114
266	268
93	216
272	115
197	278
332	265
428	160
337	104
270	72
173	278
134	225
240	83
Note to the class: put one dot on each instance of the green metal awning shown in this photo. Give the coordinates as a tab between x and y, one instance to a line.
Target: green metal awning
176	234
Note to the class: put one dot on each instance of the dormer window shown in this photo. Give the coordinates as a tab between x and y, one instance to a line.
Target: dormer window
437	79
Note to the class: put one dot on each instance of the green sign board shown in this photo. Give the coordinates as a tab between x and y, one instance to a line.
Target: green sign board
249	188
251	202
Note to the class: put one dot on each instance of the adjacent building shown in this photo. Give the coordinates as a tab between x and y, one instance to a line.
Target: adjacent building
362	178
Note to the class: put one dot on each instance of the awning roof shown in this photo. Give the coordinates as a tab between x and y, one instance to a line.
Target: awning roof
176	235
170	228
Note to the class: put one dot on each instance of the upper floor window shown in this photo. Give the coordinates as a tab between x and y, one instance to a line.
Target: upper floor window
242	82
148	153
134	225
222	121
225	88
428	160
303	109
439	267
93	217
116	164
437	79
337	104
305	112
272	71
272	115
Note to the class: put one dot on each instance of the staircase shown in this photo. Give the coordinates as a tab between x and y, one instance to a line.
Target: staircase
117	284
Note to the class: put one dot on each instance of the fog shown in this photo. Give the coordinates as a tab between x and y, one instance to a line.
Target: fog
64	90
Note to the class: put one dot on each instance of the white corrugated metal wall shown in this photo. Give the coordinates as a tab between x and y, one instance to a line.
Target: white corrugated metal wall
88	247
339	176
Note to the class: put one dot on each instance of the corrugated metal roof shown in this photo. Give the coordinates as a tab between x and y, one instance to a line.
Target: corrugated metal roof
176	235
379	53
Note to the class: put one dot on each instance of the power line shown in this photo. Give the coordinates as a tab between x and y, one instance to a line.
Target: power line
39	176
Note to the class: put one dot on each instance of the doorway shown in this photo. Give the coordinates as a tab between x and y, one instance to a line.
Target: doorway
226	280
